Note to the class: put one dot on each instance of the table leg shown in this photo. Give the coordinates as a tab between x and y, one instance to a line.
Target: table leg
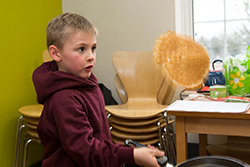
203	144
181	140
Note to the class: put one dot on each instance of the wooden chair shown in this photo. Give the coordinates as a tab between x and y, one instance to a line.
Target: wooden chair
46	56
164	96
142	79
144	91
120	89
27	123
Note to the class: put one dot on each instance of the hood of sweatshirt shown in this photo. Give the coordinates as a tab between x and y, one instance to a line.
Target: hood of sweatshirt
48	80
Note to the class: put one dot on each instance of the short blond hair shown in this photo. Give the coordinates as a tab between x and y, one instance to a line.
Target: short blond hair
59	28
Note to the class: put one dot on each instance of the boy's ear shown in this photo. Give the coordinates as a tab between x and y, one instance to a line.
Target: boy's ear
54	53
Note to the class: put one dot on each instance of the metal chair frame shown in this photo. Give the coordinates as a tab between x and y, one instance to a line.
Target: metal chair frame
21	153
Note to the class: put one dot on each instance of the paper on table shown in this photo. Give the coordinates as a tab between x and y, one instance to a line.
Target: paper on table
208	106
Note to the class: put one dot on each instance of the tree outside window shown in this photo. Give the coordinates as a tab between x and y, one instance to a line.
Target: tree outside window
223	26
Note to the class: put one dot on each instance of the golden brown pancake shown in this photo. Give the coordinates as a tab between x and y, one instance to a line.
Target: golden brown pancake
185	61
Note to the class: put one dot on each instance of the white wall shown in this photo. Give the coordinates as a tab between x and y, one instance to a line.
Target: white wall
124	25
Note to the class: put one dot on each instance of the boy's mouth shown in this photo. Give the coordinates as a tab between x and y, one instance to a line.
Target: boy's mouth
89	68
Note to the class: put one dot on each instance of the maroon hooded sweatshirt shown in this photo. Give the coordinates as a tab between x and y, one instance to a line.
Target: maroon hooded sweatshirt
73	126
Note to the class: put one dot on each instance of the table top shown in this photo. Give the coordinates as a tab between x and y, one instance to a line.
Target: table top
243	115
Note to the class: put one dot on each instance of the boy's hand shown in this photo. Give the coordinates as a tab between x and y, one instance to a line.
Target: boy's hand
146	156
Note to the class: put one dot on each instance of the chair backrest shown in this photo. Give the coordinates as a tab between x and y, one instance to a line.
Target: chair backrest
139	74
120	89
166	92
46	56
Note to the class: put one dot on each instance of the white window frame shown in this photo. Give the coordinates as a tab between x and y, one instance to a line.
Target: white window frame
184	17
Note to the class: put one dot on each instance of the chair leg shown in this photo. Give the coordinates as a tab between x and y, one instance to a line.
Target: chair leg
170	140
160	144
22	149
108	115
18	138
25	152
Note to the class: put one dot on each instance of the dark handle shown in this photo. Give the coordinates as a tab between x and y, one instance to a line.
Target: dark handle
128	142
218	60
161	160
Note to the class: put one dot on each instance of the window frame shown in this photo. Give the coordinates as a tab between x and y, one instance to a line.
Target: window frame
184	17
184	21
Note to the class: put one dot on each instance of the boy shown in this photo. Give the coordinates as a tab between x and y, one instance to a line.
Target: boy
73	126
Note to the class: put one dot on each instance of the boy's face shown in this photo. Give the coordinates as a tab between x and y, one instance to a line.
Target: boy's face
78	54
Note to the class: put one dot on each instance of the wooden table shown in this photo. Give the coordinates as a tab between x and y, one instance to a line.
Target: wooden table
203	123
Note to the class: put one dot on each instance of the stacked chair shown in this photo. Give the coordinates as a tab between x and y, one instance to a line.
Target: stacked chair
145	92
26	132
27	127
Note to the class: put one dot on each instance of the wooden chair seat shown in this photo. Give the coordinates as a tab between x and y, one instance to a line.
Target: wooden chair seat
136	110
33	111
31	120
139	129
134	122
29	125
33	133
133	136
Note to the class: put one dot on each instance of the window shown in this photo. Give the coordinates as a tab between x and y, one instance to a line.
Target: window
223	26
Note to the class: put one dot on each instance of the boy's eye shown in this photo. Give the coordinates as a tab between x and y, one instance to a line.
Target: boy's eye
81	49
93	48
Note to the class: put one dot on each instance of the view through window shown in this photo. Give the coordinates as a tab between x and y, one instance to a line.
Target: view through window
223	26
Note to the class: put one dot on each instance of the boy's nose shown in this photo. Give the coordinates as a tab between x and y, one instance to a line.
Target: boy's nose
91	56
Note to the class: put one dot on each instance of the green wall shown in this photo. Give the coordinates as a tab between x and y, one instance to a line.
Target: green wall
22	40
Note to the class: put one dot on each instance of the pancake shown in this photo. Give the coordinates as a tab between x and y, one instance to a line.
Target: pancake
185	61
